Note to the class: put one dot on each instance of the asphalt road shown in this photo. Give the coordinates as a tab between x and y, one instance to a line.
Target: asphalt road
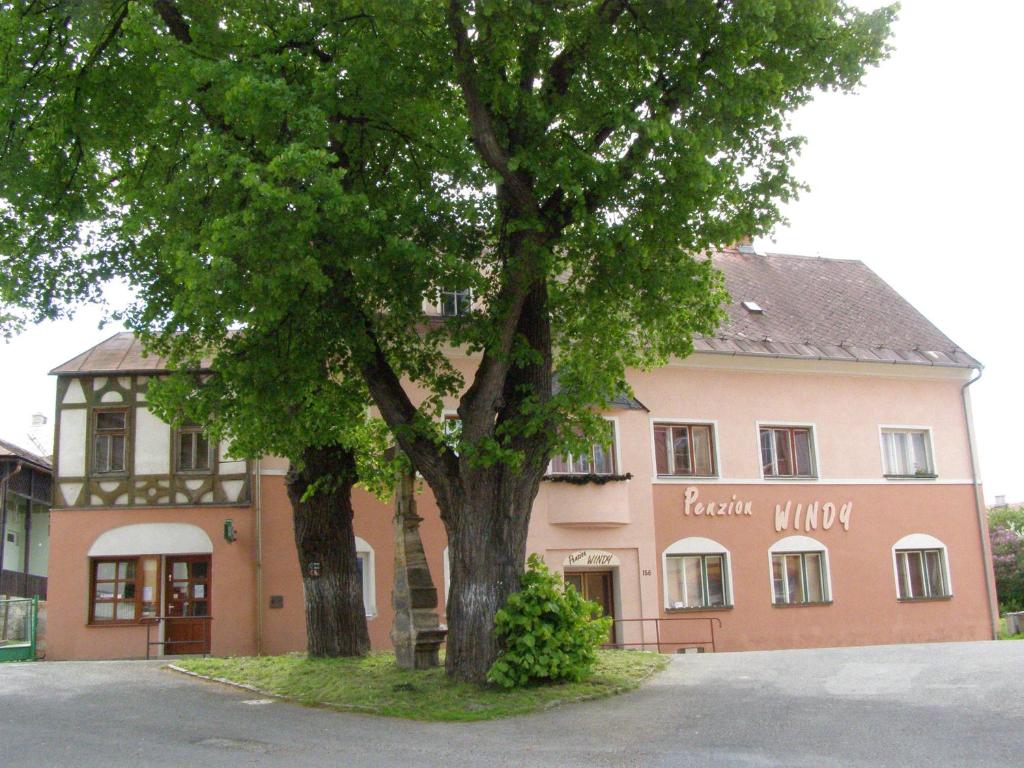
959	704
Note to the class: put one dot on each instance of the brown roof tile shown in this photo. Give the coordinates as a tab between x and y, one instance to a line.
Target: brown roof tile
814	308
823	309
12	451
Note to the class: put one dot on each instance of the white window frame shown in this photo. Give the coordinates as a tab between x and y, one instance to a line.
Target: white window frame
364	550
800	545
812	428
697	545
929	446
673	422
456	291
917	542
616	458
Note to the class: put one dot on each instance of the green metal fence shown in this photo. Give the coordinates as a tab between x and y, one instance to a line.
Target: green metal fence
19	619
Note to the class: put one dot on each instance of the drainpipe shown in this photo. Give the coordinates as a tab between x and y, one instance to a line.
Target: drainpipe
4	482
258	503
979	507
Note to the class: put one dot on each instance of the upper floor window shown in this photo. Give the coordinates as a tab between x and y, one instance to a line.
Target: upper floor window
907	453
598	460
110	441
684	450
456	302
193	449
787	452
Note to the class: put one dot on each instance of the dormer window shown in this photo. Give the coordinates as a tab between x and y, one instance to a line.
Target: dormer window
456	302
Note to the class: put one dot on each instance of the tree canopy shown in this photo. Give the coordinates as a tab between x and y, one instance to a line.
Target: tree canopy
303	179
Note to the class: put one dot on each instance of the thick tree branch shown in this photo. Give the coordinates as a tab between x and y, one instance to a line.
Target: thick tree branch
173	18
484	138
564	66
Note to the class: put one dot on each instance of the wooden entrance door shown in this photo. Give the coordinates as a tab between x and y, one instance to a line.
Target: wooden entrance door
598	587
187	606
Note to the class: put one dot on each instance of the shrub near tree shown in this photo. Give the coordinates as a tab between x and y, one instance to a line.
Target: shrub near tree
1005	531
547	632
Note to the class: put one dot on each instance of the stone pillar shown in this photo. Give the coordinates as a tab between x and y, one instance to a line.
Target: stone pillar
416	632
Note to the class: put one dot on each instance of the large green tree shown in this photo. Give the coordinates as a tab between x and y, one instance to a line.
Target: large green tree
567	160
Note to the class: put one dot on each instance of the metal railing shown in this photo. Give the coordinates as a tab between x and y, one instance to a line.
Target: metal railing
155	621
19	620
710	622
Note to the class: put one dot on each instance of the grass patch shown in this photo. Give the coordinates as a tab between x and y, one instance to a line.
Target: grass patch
1004	635
376	685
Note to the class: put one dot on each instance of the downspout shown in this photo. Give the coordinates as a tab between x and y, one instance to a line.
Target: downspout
979	508
258	502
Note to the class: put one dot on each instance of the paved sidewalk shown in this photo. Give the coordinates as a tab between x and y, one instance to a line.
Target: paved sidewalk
958	704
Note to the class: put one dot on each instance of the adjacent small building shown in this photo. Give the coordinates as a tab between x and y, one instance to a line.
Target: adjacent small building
805	478
26	490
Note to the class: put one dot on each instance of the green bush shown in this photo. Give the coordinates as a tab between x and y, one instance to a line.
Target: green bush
548	632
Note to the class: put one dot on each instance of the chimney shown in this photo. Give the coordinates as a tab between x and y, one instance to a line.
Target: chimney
1000	501
40	435
744	245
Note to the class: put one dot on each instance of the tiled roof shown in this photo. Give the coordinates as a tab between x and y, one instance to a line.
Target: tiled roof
12	451
813	308
829	309
121	353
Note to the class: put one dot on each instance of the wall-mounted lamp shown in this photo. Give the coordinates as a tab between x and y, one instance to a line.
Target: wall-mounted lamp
230	534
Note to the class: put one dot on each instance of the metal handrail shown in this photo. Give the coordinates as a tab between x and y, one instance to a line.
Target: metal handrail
711	620
153	621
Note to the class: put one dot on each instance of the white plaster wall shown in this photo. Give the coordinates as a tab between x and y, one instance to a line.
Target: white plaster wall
152	444
71	451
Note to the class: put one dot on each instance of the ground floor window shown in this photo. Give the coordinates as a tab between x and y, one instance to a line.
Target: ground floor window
696	572
696	581
799	571
367	581
920	573
799	577
124	589
921	568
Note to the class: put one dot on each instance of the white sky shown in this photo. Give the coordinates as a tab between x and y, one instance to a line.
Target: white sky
917	175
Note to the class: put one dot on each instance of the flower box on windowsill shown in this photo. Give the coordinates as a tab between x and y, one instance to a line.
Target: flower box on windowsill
584	479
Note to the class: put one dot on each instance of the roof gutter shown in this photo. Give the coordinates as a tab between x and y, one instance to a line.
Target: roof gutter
979	508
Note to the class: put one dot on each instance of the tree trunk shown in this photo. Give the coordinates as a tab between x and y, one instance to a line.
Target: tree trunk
489	520
487	551
325	539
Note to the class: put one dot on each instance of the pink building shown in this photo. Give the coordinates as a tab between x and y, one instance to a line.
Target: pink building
805	478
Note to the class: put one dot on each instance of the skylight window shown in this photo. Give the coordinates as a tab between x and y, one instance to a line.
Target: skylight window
753	306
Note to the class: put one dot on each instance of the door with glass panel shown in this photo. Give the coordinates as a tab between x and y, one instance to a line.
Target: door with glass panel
187	605
596	586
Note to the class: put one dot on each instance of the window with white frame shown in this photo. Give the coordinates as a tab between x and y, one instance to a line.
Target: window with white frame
456	302
921	568
684	450
799	568
598	460
787	452
367	576
697	574
907	453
